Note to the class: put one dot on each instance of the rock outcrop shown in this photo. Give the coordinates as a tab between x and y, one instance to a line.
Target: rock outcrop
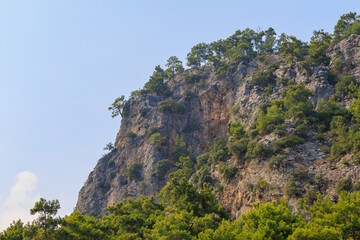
211	105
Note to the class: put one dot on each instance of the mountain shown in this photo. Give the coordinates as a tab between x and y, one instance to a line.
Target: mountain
256	123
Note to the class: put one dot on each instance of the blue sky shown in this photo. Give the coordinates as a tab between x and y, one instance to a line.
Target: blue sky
62	63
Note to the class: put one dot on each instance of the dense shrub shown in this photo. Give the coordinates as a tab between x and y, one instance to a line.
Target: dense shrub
162	167
264	78
236	131
202	160
179	149
270	115
292	47
343	185
299	174
286	142
261	185
319	43
219	150
171	106
151	130
224	69
134	171
156	139
194	78
130	134
291	189
277	162
228	172
347	86
296	102
156	83
239	148
257	150
203	175
284	81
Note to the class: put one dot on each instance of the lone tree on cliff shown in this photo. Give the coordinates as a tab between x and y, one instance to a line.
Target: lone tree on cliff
117	106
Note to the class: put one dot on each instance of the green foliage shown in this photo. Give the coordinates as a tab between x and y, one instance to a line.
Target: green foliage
131	219
343	139
284	81
79	227
156	83
305	65
109	147
316	232
224	69
13	232
117	106
185	213
295	138
44	227
202	160
186	168
296	102
157	140
198	55
310	197
134	171
291	189
277	162
236	131
174	66
266	221
257	150
261	185
355	107
264	78
287	142
338	64
319	43
188	95
162	167
179	149
130	134
326	110
202	176
299	174
239	148
343	185
333	78
179	194
336	220
270	115
347	86
228	172
219	150
348	24
151	130
194	78
292	47
169	105
241	45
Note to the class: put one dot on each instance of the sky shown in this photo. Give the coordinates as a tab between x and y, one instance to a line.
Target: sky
63	62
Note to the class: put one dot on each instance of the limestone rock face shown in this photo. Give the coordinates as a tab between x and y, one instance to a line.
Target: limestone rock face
214	104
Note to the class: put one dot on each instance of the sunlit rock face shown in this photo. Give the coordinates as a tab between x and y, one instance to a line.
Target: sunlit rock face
211	105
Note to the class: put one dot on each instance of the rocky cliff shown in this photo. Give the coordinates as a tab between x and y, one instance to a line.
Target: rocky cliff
208	106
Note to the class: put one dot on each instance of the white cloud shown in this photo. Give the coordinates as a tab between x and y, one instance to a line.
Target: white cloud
20	200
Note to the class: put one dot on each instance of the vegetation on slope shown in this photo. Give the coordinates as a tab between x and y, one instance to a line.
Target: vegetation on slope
187	207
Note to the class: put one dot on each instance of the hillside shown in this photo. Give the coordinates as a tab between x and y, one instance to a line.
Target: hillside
257	117
258	139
